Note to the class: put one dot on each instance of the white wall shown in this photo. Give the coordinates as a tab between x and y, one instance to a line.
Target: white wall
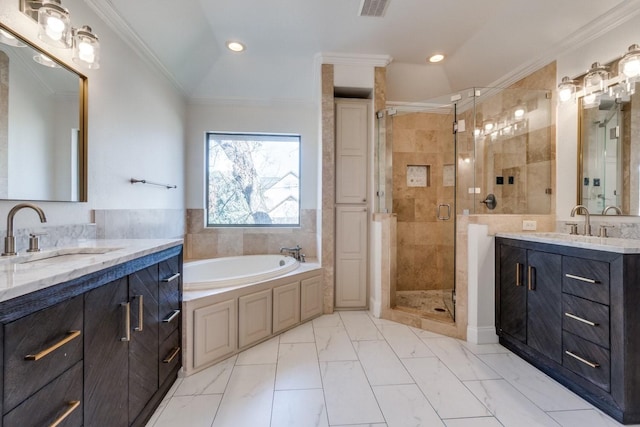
280	117
606	48
136	126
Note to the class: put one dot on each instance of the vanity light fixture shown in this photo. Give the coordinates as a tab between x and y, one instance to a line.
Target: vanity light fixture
567	89
436	58
630	63
54	28
235	46
595	82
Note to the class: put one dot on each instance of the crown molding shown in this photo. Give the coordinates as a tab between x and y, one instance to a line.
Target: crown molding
353	59
578	38
256	102
105	10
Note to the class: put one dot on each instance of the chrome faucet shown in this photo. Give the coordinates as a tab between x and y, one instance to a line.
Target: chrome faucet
294	252
10	240
587	221
615	208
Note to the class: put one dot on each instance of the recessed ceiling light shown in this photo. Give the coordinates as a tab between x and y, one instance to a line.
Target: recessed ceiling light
235	46
436	58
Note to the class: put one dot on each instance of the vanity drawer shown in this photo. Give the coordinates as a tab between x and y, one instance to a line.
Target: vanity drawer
586	359
586	319
169	296
170	356
60	400
586	278
39	347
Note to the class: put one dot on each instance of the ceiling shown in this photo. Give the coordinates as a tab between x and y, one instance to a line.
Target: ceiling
484	41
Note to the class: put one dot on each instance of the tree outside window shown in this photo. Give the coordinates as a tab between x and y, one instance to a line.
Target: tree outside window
253	180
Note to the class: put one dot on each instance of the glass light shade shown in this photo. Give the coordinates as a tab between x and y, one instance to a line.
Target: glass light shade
54	25
235	46
630	63
86	48
566	89
488	126
46	61
596	79
590	101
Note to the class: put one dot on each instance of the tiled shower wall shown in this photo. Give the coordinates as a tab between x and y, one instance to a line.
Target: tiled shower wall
426	259
202	242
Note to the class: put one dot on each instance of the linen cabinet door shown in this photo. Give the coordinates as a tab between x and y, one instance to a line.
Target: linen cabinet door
512	305
106	355
143	348
544	304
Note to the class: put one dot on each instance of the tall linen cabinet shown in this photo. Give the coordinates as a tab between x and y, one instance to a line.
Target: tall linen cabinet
352	172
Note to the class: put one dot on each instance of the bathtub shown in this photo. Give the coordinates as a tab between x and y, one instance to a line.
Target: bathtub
234	271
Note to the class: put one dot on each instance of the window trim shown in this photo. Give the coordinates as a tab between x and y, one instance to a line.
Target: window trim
208	136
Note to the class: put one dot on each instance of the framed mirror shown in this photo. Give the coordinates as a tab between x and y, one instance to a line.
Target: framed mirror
43	125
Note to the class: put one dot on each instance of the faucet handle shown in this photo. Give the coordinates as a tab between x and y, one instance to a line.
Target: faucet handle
34	242
602	232
573	227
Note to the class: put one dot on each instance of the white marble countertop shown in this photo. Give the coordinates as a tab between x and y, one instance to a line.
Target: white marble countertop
609	244
29	272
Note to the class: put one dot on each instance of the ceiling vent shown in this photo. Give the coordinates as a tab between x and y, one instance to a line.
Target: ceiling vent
375	8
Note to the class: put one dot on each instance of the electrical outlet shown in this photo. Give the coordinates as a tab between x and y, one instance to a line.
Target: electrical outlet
529	225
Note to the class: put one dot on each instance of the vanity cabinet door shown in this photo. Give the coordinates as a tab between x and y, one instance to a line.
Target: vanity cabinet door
544	303
106	355
512	316
143	347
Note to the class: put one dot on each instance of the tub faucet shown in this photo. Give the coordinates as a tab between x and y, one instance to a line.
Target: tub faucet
294	252
615	209
587	222
10	240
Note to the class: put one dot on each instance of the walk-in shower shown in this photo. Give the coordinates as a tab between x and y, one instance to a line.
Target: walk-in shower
479	151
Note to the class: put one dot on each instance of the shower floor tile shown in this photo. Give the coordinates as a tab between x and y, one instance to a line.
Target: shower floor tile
429	303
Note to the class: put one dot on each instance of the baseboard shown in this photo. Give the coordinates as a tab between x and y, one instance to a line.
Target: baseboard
482	335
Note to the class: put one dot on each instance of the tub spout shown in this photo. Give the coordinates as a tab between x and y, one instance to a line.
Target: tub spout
293	252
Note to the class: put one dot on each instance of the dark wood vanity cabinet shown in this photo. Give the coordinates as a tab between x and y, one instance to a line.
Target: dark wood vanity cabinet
101	355
572	312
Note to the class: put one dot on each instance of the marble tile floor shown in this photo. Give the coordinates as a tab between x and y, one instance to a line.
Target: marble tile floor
434	304
350	369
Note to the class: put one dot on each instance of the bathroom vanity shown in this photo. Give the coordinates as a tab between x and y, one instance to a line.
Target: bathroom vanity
569	306
90	334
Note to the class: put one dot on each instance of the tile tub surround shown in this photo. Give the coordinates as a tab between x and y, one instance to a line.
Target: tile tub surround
202	242
18	278
351	369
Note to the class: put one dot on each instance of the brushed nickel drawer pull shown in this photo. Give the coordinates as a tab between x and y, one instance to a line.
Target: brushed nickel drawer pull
172	278
171	355
582	279
518	274
72	406
170	317
71	335
580	319
140	326
127	321
586	362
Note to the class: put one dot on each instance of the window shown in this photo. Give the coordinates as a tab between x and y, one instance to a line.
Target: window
253	180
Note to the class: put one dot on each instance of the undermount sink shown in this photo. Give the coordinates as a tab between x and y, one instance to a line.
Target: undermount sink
62	255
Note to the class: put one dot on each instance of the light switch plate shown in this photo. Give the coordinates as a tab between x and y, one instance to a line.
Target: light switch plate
529	225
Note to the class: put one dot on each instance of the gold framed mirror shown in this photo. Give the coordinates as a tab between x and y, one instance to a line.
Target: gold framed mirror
43	124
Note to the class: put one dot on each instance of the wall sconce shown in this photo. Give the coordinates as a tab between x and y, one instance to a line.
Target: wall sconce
630	62
567	89
595	81
54	28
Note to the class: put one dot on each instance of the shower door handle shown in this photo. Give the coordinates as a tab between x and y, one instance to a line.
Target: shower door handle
448	215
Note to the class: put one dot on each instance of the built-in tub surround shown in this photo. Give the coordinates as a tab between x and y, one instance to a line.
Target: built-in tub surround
224	319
